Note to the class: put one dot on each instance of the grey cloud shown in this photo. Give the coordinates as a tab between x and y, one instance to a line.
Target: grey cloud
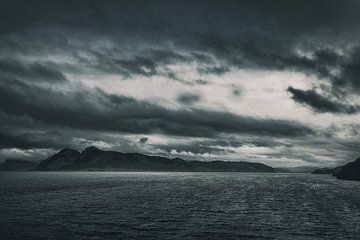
112	61
31	140
87	109
34	71
349	75
143	140
166	56
320	103
247	36
138	65
188	98
217	70
133	38
193	147
8	140
236	92
218	146
146	62
201	82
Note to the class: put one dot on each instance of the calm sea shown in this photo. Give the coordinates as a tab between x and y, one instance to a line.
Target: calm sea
124	205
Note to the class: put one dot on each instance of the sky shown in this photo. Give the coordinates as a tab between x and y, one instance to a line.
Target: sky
275	82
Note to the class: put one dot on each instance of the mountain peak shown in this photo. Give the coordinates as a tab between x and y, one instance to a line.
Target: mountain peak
58	160
90	152
67	150
91	149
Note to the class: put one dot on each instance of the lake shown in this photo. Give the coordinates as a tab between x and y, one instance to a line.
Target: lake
151	205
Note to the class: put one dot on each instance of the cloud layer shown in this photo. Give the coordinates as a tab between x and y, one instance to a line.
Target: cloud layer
274	82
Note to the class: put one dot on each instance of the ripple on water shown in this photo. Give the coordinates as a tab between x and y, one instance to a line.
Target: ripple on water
110	205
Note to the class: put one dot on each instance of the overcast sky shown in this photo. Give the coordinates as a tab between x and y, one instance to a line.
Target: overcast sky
276	82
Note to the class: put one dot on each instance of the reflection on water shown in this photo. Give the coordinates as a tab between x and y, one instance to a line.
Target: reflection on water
111	205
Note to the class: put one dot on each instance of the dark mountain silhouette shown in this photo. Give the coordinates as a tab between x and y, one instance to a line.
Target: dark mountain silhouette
17	165
350	171
301	169
282	170
327	170
60	160
93	158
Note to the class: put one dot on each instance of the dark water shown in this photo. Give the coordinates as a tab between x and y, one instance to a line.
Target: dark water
110	205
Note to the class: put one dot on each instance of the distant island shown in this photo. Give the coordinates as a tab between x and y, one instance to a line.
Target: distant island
350	171
95	159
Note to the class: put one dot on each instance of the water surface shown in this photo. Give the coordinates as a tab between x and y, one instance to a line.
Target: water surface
129	205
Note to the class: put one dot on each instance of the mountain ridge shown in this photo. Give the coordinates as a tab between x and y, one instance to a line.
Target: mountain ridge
327	170
350	171
93	158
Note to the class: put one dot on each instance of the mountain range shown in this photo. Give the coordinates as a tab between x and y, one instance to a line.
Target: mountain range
93	158
350	171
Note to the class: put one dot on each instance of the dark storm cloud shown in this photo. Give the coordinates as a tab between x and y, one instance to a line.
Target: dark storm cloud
34	71
24	134
341	71
274	53
167	56
96	110
244	34
350	72
45	41
8	140
320	103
